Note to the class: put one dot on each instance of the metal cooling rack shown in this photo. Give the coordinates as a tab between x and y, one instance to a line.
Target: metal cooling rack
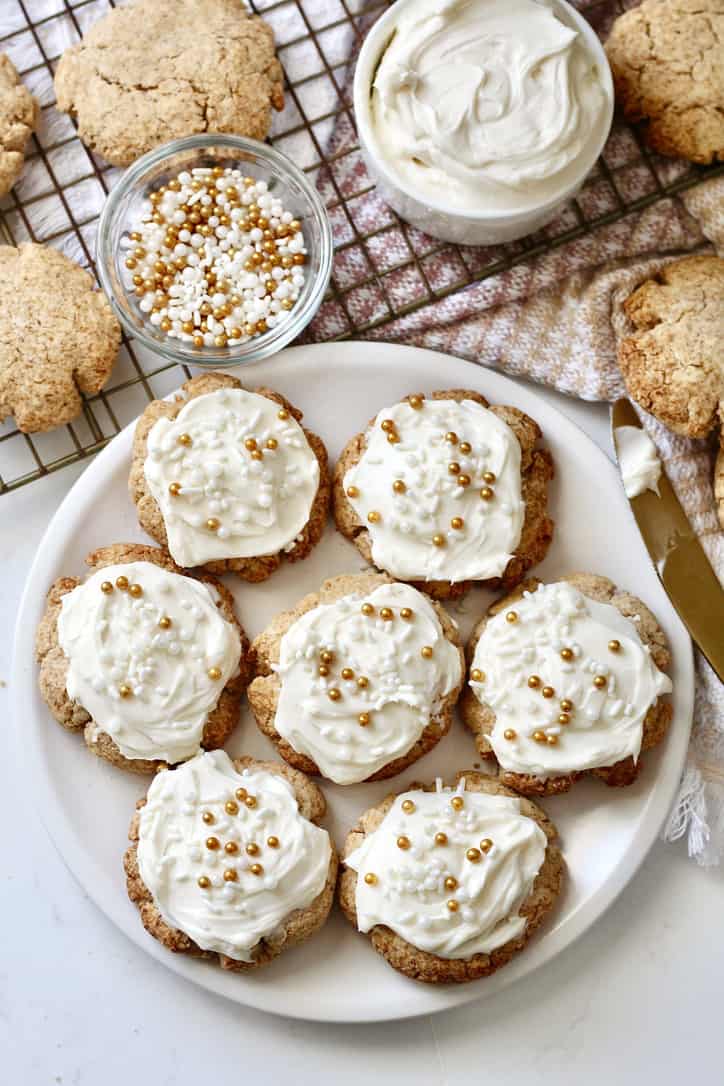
383	267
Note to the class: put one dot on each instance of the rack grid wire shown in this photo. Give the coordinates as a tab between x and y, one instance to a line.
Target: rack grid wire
383	267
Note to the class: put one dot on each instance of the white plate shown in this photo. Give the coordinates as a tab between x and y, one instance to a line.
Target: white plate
86	804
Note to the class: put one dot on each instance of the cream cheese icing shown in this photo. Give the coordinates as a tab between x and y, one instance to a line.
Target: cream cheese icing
486	105
149	660
439	488
638	460
569	680
386	668
234	477
227	856
449	871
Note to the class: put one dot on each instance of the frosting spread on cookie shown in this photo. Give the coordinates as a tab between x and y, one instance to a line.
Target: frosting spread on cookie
569	680
485	105
234	477
227	855
448	871
147	660
638	460
439	489
362	678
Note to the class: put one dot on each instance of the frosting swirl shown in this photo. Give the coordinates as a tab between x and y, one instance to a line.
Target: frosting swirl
490	104
638	460
224	872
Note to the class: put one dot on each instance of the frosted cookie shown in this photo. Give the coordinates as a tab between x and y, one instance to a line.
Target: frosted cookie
148	661
59	337
566	679
18	119
445	491
228	479
156	70
359	680
451	882
227	860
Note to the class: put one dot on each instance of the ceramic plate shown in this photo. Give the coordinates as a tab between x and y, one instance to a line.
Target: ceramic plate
86	804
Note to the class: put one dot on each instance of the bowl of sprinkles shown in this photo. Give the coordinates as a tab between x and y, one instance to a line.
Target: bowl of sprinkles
214	250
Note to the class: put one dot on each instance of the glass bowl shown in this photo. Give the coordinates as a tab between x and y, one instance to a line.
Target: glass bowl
127	201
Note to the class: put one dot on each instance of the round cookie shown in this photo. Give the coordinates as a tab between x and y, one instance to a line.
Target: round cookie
157	70
668	71
359	680
59	337
565	680
18	119
168	692
262	871
445	492
267	505
451	882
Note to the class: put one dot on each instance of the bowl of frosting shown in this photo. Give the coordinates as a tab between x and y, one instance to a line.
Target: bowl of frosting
479	119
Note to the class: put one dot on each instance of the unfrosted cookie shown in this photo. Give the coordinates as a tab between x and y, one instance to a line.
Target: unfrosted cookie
451	882
18	118
149	661
228	480
359	680
227	860
58	337
667	59
445	492
565	679
156	70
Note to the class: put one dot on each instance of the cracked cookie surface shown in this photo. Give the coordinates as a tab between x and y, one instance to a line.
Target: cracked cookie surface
667	59
18	117
157	70
58	337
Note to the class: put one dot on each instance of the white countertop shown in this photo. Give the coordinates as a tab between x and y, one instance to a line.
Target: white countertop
636	1000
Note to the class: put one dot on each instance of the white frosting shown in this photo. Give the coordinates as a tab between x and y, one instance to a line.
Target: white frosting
486	105
114	641
402	538
261	505
228	917
606	722
638	460
408	892
403	689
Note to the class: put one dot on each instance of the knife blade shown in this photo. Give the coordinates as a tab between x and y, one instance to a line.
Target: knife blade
677	555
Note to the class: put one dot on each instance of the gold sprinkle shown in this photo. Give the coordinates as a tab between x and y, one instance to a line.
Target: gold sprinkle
370	878
457	523
250	443
207	817
271	443
440	838
408	806
212	843
486	494
406	613
547	691
174	489
415	402
453	468
124	690
352	492
122	583
564	718
453	905
323	670
511	616
252	849
438	540
164	622
374	517
552	740
184	439
213	524
614	645
457	803
451	883
214	673
533	682
403	842
203	882
367	609
399	487
241	793
474	855
363	719
426	651
334	694
231	807
256	869
363	682
566	654
231	847
539	737
250	801
106	587
465	447
600	681
393	437
230	875
347	673
326	656
509	734
451	437
566	705
135	590
477	675
386	613
486	844
489	476
387	425
273	842
463	480
283	414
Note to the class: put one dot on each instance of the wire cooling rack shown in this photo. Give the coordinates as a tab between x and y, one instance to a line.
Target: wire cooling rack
383	268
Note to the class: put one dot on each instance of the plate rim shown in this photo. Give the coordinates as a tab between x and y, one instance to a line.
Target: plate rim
79	861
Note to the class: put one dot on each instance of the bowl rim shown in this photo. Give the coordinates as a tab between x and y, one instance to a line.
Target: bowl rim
377	39
211	357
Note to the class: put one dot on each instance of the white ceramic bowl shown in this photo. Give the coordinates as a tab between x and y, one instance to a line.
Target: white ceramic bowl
486	226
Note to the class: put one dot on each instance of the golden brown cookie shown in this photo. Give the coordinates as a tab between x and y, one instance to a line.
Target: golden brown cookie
448	843
256	568
667	59
536	473
54	663
157	70
240	854
481	718
58	337
18	119
366	729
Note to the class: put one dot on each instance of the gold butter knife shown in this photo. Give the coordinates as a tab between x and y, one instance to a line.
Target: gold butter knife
677	554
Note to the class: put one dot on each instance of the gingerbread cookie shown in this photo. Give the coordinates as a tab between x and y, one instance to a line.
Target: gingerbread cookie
150	662
228	480
157	70
18	120
566	679
451	882
58	337
227	860
667	61
359	680
445	492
